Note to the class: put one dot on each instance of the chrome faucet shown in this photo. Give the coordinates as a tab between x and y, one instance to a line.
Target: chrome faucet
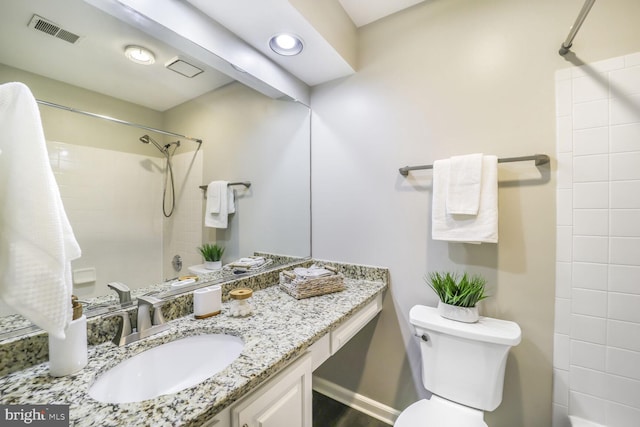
148	323
123	291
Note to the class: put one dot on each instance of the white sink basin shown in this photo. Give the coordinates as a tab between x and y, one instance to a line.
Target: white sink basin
167	369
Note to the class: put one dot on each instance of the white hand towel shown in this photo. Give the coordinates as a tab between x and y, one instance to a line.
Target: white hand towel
231	201
36	240
463	191
481	228
219	218
214	192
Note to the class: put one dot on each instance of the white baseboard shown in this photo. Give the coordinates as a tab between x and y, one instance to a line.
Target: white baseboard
356	401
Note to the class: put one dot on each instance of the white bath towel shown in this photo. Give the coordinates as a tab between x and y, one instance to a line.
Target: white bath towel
480	228
463	190
231	200
36	240
217	217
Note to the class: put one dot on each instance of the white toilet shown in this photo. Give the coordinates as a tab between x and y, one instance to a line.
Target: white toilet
462	365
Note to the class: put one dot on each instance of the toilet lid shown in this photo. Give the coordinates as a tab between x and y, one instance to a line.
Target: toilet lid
439	412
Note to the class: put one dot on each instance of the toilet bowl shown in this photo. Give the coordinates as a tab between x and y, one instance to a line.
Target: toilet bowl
463	366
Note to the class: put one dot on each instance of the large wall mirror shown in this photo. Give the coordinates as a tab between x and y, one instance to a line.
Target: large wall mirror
113	183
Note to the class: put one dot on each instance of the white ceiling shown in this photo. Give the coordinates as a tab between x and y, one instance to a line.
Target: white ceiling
97	62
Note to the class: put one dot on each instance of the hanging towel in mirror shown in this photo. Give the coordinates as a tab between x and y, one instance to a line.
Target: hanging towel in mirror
36	240
217	214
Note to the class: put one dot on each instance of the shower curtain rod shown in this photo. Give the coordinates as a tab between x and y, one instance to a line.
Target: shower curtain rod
564	48
111	119
540	159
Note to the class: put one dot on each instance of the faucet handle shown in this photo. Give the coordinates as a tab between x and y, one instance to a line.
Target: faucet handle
124	327
145	302
123	291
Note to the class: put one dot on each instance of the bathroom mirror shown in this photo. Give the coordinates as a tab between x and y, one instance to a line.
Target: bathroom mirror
113	184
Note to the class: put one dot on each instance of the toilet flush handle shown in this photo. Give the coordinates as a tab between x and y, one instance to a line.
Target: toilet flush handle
423	337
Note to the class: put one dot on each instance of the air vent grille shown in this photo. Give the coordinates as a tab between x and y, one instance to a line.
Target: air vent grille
41	24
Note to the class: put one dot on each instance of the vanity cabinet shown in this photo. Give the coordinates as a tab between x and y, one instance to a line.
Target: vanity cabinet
284	401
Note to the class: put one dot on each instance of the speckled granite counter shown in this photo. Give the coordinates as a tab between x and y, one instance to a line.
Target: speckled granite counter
281	329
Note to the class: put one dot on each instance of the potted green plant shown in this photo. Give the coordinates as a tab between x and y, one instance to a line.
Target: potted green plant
459	296
212	254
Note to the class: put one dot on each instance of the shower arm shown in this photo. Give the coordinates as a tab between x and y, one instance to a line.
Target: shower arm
564	48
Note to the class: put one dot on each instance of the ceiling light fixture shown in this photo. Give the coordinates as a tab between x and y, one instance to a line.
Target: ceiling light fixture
140	55
286	44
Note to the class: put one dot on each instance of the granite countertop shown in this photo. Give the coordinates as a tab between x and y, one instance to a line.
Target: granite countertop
281	329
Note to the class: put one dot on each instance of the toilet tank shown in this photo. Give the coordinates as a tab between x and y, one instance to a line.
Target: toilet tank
464	362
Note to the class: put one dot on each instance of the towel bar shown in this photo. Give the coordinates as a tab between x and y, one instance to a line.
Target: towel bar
540	159
245	183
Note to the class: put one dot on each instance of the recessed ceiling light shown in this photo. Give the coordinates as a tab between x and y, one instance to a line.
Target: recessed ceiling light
286	44
140	55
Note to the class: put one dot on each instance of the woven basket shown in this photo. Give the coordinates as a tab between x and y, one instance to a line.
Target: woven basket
300	289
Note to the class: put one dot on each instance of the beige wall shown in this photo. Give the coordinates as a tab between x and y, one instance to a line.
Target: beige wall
60	125
440	79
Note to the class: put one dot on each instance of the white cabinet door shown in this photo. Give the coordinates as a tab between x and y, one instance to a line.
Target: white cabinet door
284	401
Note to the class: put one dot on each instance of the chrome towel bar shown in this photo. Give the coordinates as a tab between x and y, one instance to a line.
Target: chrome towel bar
540	159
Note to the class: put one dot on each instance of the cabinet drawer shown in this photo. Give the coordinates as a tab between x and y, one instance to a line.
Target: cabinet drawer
348	329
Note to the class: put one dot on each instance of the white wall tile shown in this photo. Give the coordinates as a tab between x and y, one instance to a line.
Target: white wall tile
564	207
563	279
563	98
621	415
624	166
623	335
593	114
625	223
625	250
588	355
623	111
590	276
561	351
629	61
565	170
562	319
564	241
624	195
591	222
591	195
588	381
625	363
624	307
590	249
591	141
624	82
625	138
560	416
592	168
588	328
586	89
589	302
624	278
599	66
587	407
564	137
623	390
561	387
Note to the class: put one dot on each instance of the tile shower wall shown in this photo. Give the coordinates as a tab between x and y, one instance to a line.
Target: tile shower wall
597	320
183	231
113	202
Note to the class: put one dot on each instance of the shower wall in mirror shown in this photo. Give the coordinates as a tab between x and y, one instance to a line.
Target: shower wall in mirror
112	184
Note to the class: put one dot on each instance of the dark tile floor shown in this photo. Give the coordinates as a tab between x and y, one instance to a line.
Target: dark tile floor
329	413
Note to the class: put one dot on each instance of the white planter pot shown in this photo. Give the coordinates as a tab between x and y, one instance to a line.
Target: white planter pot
460	314
213	265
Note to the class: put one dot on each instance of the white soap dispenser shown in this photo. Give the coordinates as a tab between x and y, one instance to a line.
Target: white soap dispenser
69	355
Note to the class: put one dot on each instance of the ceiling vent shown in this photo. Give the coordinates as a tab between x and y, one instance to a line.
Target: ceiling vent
181	66
41	24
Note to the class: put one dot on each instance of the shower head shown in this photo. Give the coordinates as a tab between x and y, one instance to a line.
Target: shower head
145	139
